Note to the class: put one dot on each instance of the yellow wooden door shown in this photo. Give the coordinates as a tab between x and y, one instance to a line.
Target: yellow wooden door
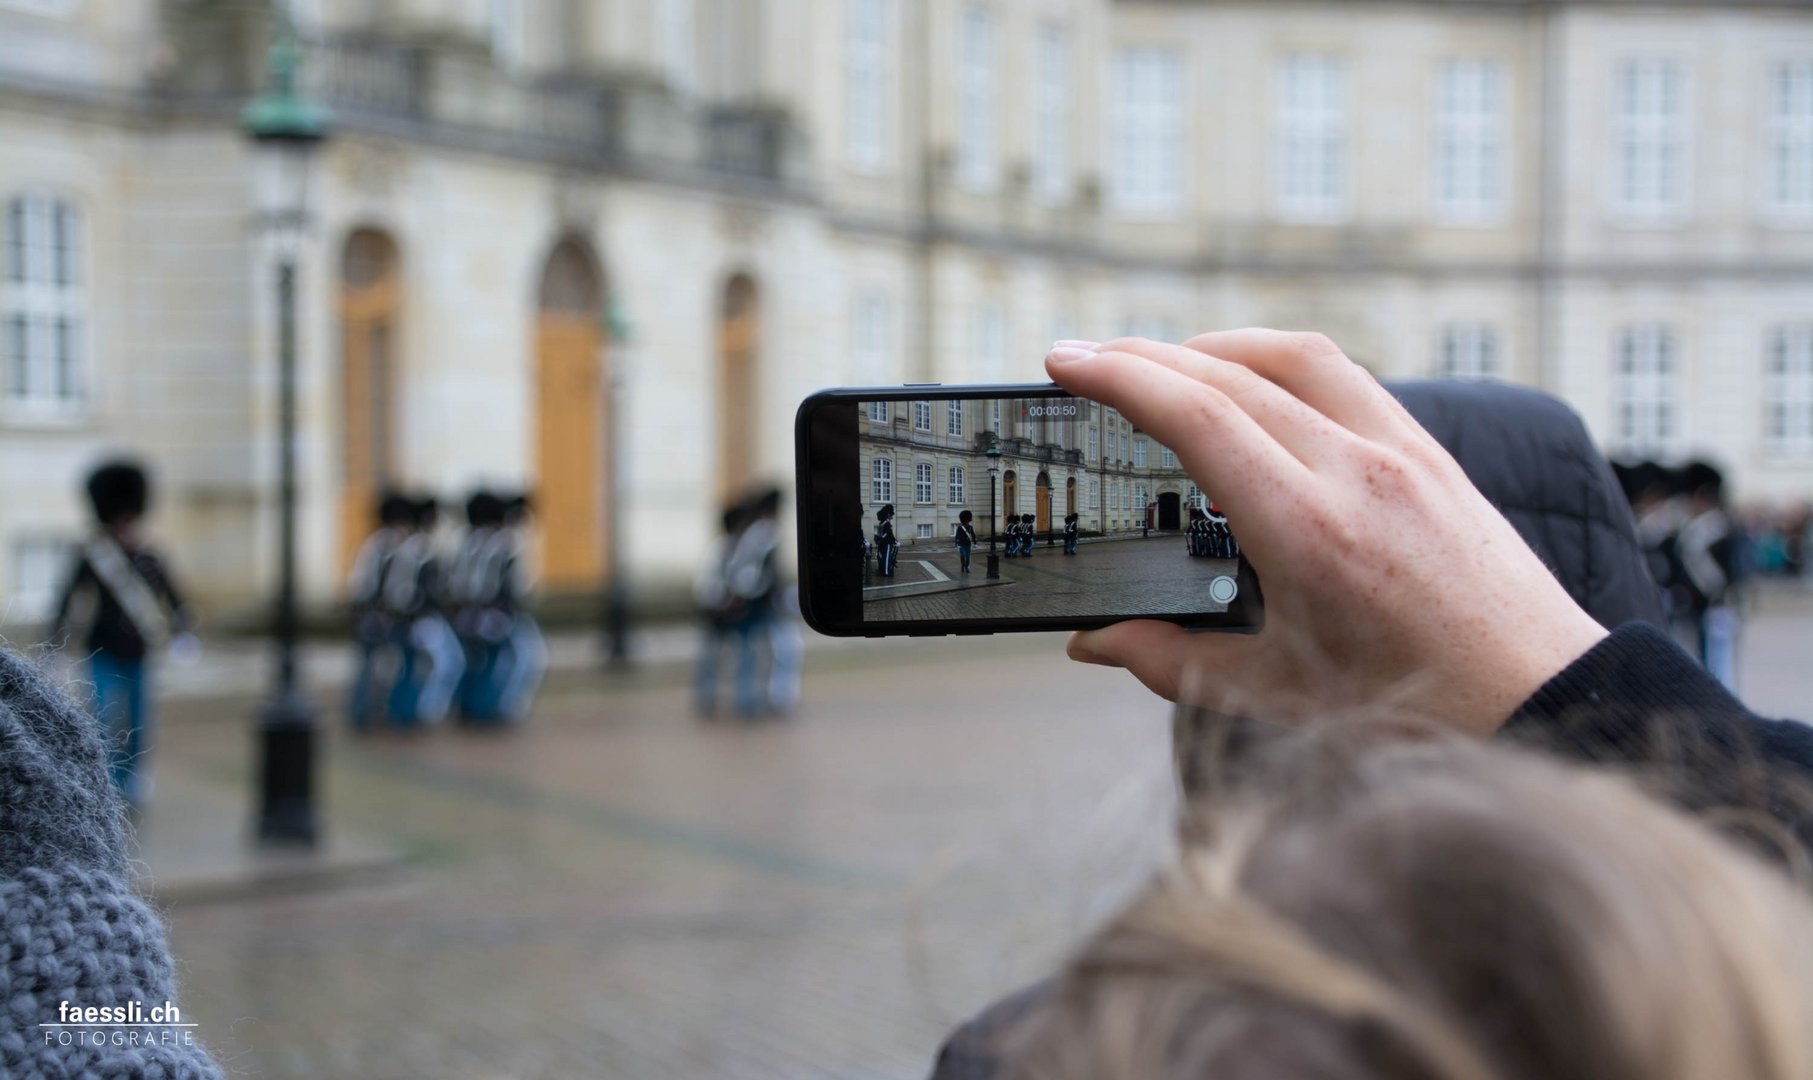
737	406
368	351
569	452
1042	511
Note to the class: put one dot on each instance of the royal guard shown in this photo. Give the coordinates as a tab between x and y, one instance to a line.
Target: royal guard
120	609
412	593
1028	534
374	631
966	538
887	548
1070	533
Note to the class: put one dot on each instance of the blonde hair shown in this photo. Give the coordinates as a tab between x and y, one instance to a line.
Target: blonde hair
1358	906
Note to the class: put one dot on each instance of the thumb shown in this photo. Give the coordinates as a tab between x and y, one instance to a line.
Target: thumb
1167	658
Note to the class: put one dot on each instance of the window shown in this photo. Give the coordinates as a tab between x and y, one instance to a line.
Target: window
1466	351
1051	115
1095	493
1139	453
43	326
991	343
923	530
953	418
1148	133
881	481
922	416
680	45
922	483
956	486
1167	457
1469	141
1141	497
994	416
977	152
868	67
509	32
1092	445
1651	138
1114	445
1791	136
1788	389
870	338
1645	368
1312	126
878	411
39	563
1194	498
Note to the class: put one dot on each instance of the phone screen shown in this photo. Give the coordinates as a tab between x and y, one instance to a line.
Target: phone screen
1026	511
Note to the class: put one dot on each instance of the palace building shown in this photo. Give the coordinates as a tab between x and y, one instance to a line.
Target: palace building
600	249
931	460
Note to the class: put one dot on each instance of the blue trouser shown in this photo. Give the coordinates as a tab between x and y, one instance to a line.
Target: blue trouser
365	699
890	554
433	662
1070	544
122	706
963	555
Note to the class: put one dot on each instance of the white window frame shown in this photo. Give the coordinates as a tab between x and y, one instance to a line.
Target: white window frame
978	157
45	336
1149	134
871	337
1467	350
955	485
1313	182
922	416
509	32
1647	416
680	45
38	563
1469	164
1788	391
924	484
1167	457
1051	115
1139	453
953	418
1788	165
991	343
1652	140
881	481
1094	442
878	412
868	78
923	531
994	415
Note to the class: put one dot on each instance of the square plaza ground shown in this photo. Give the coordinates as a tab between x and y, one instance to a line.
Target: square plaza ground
1153	576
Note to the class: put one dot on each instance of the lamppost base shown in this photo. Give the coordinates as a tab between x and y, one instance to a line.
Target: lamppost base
994	565
286	764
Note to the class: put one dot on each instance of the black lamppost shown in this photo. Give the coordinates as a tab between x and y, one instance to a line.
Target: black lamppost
616	591
994	470
286	131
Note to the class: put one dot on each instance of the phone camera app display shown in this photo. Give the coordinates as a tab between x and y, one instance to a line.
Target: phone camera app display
1018	508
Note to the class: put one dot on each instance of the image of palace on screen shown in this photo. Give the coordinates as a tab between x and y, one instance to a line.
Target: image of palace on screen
931	461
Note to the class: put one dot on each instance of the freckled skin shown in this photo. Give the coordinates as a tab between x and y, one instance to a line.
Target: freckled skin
1387	577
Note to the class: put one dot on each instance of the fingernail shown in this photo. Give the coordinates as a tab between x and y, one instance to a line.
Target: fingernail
1083	656
1070	353
1071	343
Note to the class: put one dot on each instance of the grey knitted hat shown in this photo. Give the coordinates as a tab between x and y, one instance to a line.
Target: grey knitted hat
71	928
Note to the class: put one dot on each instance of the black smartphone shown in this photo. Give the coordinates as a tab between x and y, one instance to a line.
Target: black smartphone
927	510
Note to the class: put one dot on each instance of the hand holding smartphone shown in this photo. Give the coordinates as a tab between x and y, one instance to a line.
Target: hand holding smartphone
929	510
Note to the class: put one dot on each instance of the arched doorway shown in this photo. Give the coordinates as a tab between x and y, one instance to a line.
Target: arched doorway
1069	496
1042	508
370	303
569	497
1009	488
739	335
1170	511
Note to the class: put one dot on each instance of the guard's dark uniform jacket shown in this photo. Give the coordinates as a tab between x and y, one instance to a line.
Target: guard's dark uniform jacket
1532	458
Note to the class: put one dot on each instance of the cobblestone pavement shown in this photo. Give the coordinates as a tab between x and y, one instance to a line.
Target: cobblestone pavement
1117	577
620	890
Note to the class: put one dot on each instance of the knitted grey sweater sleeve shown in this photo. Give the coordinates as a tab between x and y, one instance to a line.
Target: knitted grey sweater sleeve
71	928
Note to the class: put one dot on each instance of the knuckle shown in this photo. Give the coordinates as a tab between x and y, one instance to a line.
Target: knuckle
1312	347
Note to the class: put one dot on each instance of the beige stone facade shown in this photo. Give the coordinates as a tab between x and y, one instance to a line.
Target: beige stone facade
1613	201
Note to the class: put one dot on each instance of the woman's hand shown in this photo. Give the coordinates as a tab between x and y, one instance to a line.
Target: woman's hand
1388	578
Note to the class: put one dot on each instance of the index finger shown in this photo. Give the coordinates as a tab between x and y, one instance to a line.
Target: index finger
1223	449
